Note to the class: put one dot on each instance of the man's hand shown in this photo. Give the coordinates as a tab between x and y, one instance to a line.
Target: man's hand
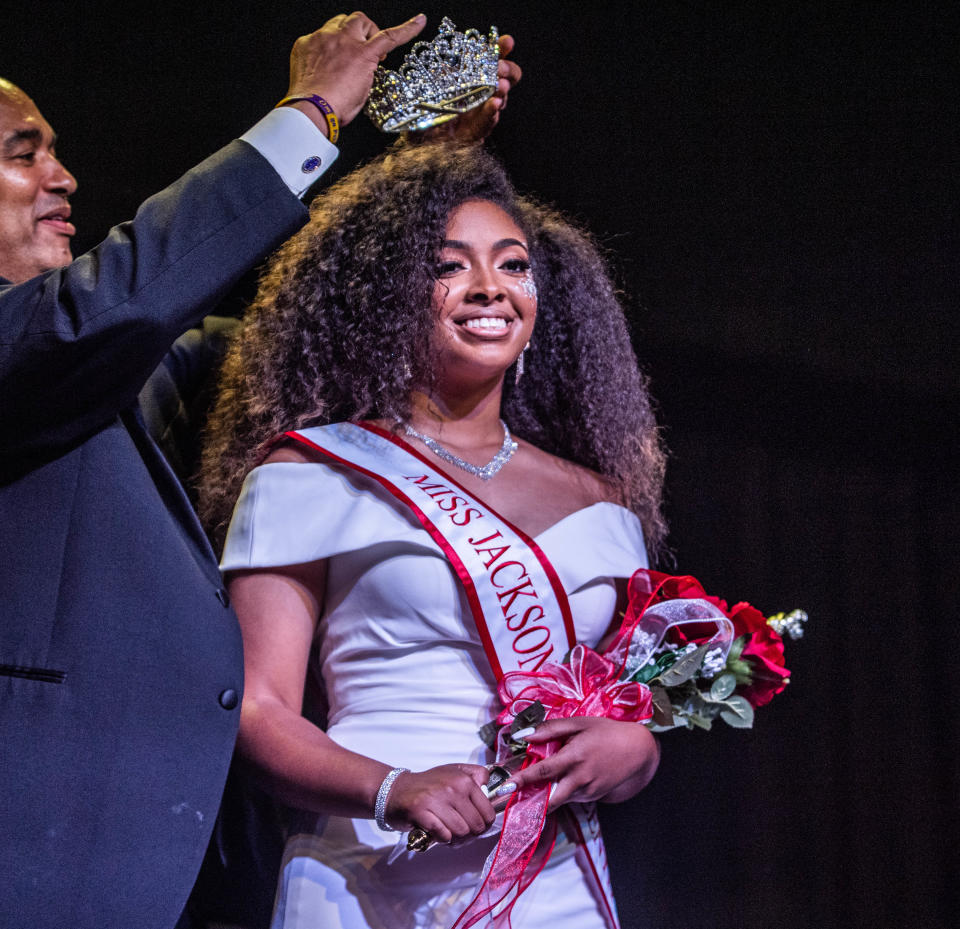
337	62
476	124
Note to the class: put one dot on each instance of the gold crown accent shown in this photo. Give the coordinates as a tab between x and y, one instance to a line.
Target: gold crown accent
437	81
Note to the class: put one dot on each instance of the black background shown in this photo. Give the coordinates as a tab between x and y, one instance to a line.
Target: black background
777	184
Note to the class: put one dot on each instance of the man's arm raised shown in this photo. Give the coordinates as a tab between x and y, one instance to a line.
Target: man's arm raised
337	62
77	343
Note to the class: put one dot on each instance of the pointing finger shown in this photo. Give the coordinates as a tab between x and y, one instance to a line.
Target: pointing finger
388	39
546	770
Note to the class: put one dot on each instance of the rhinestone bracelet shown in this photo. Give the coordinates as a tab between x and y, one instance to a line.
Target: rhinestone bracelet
380	806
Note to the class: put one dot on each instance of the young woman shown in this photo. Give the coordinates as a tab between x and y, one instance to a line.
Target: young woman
475	466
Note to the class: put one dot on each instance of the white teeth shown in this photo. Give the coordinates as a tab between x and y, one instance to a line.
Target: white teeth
485	322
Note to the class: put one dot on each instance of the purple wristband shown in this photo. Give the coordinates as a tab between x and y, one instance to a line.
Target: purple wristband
333	124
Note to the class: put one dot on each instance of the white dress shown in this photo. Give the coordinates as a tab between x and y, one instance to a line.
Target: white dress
406	681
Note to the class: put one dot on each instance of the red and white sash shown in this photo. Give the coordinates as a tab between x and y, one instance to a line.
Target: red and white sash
520	608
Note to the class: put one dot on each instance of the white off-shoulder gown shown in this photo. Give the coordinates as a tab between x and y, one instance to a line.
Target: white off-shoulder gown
406	681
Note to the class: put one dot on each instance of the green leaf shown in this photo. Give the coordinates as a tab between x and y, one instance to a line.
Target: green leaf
647	673
533	715
742	670
736	649
653	727
723	687
653	668
737	712
662	710
488	734
694	698
684	668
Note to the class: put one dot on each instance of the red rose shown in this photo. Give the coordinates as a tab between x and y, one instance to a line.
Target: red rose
763	651
762	655
747	620
701	633
650	587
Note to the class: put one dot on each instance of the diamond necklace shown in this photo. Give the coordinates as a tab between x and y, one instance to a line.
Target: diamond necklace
484	472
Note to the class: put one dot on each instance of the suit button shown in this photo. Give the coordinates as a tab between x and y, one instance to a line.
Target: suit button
229	699
223	596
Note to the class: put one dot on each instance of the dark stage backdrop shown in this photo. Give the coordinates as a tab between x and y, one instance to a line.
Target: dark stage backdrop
777	184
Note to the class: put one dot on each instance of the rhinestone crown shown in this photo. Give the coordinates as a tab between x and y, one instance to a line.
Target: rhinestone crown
437	81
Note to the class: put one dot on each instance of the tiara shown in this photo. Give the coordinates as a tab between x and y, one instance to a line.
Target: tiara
437	81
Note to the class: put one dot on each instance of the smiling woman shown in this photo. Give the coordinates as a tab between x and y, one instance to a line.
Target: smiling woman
35	227
474	466
485	305
344	328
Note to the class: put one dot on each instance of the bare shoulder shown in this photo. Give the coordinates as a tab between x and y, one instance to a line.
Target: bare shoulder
598	488
560	479
291	451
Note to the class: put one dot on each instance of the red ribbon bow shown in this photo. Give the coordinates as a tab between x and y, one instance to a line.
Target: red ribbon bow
587	686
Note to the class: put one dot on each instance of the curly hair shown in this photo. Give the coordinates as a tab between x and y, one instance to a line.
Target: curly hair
343	325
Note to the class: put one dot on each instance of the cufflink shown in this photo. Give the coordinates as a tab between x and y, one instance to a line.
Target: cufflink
311	164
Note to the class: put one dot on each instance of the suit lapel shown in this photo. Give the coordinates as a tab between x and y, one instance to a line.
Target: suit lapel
172	492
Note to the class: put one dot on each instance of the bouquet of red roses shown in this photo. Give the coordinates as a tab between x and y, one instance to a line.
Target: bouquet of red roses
680	658
701	659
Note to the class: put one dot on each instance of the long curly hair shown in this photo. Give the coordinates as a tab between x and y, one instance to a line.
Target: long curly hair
343	325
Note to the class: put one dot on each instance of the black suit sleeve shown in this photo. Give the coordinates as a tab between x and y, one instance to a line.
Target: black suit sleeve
176	399
77	344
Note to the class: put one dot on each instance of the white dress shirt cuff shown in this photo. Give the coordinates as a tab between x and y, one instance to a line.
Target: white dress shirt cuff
298	151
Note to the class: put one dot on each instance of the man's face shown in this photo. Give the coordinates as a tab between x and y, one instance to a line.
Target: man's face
34	213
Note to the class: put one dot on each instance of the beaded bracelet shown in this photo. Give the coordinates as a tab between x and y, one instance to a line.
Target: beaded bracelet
380	806
333	124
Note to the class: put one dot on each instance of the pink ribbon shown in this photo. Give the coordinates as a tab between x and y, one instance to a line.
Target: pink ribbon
587	686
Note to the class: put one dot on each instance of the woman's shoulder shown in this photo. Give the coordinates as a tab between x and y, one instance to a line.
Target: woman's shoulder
290	451
293	509
538	490
587	531
298	465
581	485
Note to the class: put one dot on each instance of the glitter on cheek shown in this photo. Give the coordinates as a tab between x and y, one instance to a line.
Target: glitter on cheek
528	286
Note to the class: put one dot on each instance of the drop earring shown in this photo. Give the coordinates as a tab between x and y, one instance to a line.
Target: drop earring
519	370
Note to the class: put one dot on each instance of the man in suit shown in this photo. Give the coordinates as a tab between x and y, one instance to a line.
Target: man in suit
120	658
177	397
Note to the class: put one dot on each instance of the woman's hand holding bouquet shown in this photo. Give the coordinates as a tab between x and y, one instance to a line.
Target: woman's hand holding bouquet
680	658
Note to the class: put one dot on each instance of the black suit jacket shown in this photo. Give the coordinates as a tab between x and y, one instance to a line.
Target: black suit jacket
177	398
120	659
